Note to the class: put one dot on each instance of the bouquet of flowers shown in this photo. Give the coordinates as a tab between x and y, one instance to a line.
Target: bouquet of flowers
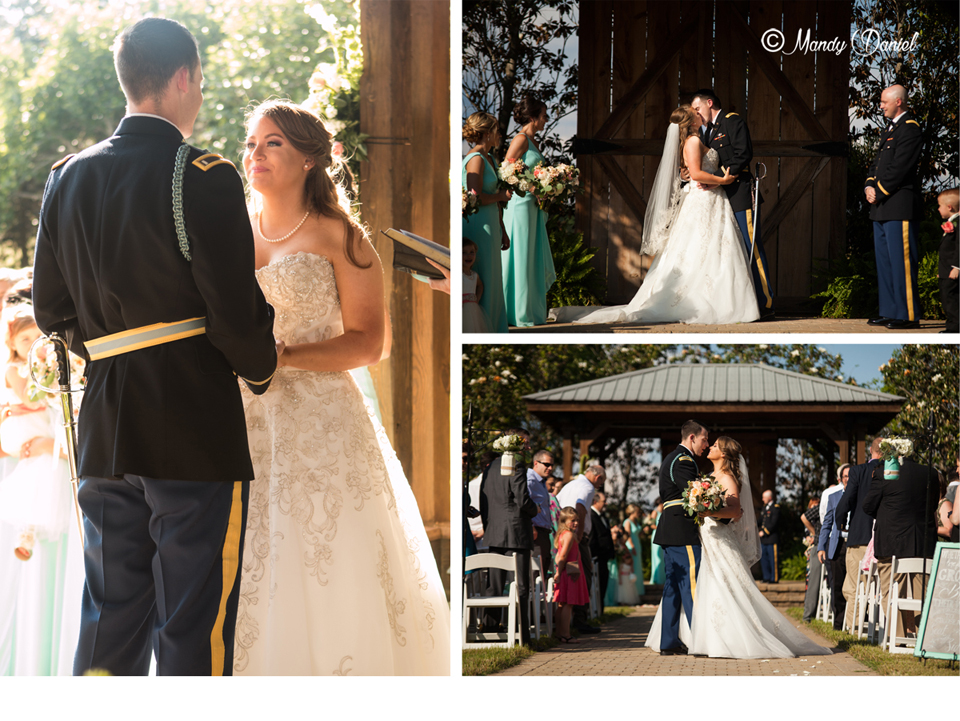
516	176
891	451
470	202
555	183
509	446
704	493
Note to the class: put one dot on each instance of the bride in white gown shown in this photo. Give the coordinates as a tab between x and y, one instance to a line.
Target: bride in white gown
338	573
700	274
731	617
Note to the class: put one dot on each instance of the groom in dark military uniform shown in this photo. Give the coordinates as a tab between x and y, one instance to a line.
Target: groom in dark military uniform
893	193
679	536
145	264
727	133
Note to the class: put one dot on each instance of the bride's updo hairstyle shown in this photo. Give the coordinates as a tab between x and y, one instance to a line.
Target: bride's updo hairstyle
528	109
686	117
478	125
325	187
730	450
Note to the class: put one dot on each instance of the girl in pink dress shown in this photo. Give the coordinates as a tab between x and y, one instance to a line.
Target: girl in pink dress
571	587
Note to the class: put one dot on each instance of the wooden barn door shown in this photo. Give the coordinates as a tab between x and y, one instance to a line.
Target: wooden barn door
640	58
404	101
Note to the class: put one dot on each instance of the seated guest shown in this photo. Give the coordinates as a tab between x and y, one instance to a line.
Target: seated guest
944	508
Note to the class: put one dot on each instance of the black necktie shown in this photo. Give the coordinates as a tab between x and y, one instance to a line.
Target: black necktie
709	132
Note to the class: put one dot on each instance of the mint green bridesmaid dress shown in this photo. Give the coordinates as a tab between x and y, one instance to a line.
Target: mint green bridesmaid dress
483	228
528	270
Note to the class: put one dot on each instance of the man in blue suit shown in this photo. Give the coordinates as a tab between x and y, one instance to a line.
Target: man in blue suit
831	547
860	528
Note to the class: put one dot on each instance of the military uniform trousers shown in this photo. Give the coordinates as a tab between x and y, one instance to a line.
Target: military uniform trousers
681	568
769	562
162	561
895	246
758	266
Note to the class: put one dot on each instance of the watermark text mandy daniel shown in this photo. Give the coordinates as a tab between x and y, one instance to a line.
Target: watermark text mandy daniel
865	42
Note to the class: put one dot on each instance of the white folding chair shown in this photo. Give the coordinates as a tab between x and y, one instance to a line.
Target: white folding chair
859	602
542	596
824	608
511	601
895	604
871	604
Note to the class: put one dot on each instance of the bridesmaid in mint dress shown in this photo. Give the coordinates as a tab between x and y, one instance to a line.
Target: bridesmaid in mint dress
657	574
484	226
528	270
632	527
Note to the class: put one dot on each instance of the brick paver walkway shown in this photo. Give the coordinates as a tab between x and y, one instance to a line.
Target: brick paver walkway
785	325
619	651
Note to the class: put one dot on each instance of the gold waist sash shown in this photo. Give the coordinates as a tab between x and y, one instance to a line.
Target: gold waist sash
144	337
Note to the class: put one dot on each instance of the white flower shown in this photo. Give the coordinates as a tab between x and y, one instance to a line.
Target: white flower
795	353
839	377
518	358
497	364
504	381
763	346
463	357
822	350
882	367
473	381
936	377
582	364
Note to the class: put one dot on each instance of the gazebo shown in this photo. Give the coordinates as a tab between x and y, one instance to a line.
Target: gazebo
754	403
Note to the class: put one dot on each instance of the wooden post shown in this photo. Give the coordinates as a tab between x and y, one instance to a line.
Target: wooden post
404	96
567	454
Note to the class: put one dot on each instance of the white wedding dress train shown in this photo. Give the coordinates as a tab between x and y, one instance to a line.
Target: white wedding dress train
701	275
338	573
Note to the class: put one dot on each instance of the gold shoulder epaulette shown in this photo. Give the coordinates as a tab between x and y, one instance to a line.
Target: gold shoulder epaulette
914	122
210	160
684	458
729	114
62	161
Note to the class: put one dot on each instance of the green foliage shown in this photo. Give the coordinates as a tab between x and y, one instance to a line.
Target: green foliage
59	93
794	567
578	282
851	287
510	46
928	376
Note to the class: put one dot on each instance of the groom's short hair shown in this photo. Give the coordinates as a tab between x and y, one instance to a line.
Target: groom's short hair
691	428
149	53
708	94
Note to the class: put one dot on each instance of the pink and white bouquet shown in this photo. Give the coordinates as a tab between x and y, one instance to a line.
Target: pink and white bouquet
704	493
470	202
515	175
555	183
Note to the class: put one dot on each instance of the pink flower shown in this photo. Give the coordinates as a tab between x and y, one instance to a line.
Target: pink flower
704	484
947	227
336	150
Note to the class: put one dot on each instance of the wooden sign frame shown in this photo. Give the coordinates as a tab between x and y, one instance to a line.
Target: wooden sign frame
919	650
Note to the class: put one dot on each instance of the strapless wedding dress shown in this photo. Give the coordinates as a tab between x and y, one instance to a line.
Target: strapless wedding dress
338	574
700	277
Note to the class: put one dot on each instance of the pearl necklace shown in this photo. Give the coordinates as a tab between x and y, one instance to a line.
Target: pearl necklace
280	240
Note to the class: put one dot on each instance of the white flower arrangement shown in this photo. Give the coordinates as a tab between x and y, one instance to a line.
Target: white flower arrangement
509	444
891	448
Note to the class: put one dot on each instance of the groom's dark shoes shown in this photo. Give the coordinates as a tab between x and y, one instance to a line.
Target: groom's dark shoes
902	324
879	320
680	650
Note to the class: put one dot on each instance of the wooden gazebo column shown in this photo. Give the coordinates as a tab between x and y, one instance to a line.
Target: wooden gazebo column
404	101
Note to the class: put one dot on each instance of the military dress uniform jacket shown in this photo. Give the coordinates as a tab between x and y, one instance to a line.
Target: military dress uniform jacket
108	260
676	528
731	139
506	508
769	517
893	172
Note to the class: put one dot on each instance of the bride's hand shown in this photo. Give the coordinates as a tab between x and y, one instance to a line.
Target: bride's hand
281	346
727	178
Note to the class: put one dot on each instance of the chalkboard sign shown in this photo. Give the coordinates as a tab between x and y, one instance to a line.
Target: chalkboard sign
939	635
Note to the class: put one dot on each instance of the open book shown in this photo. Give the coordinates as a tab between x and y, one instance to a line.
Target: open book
410	253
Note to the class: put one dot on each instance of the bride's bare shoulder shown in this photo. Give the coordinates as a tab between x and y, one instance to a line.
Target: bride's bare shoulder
728	482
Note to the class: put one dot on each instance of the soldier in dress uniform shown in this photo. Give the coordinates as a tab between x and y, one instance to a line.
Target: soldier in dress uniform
893	194
769	516
727	133
679	536
145	264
